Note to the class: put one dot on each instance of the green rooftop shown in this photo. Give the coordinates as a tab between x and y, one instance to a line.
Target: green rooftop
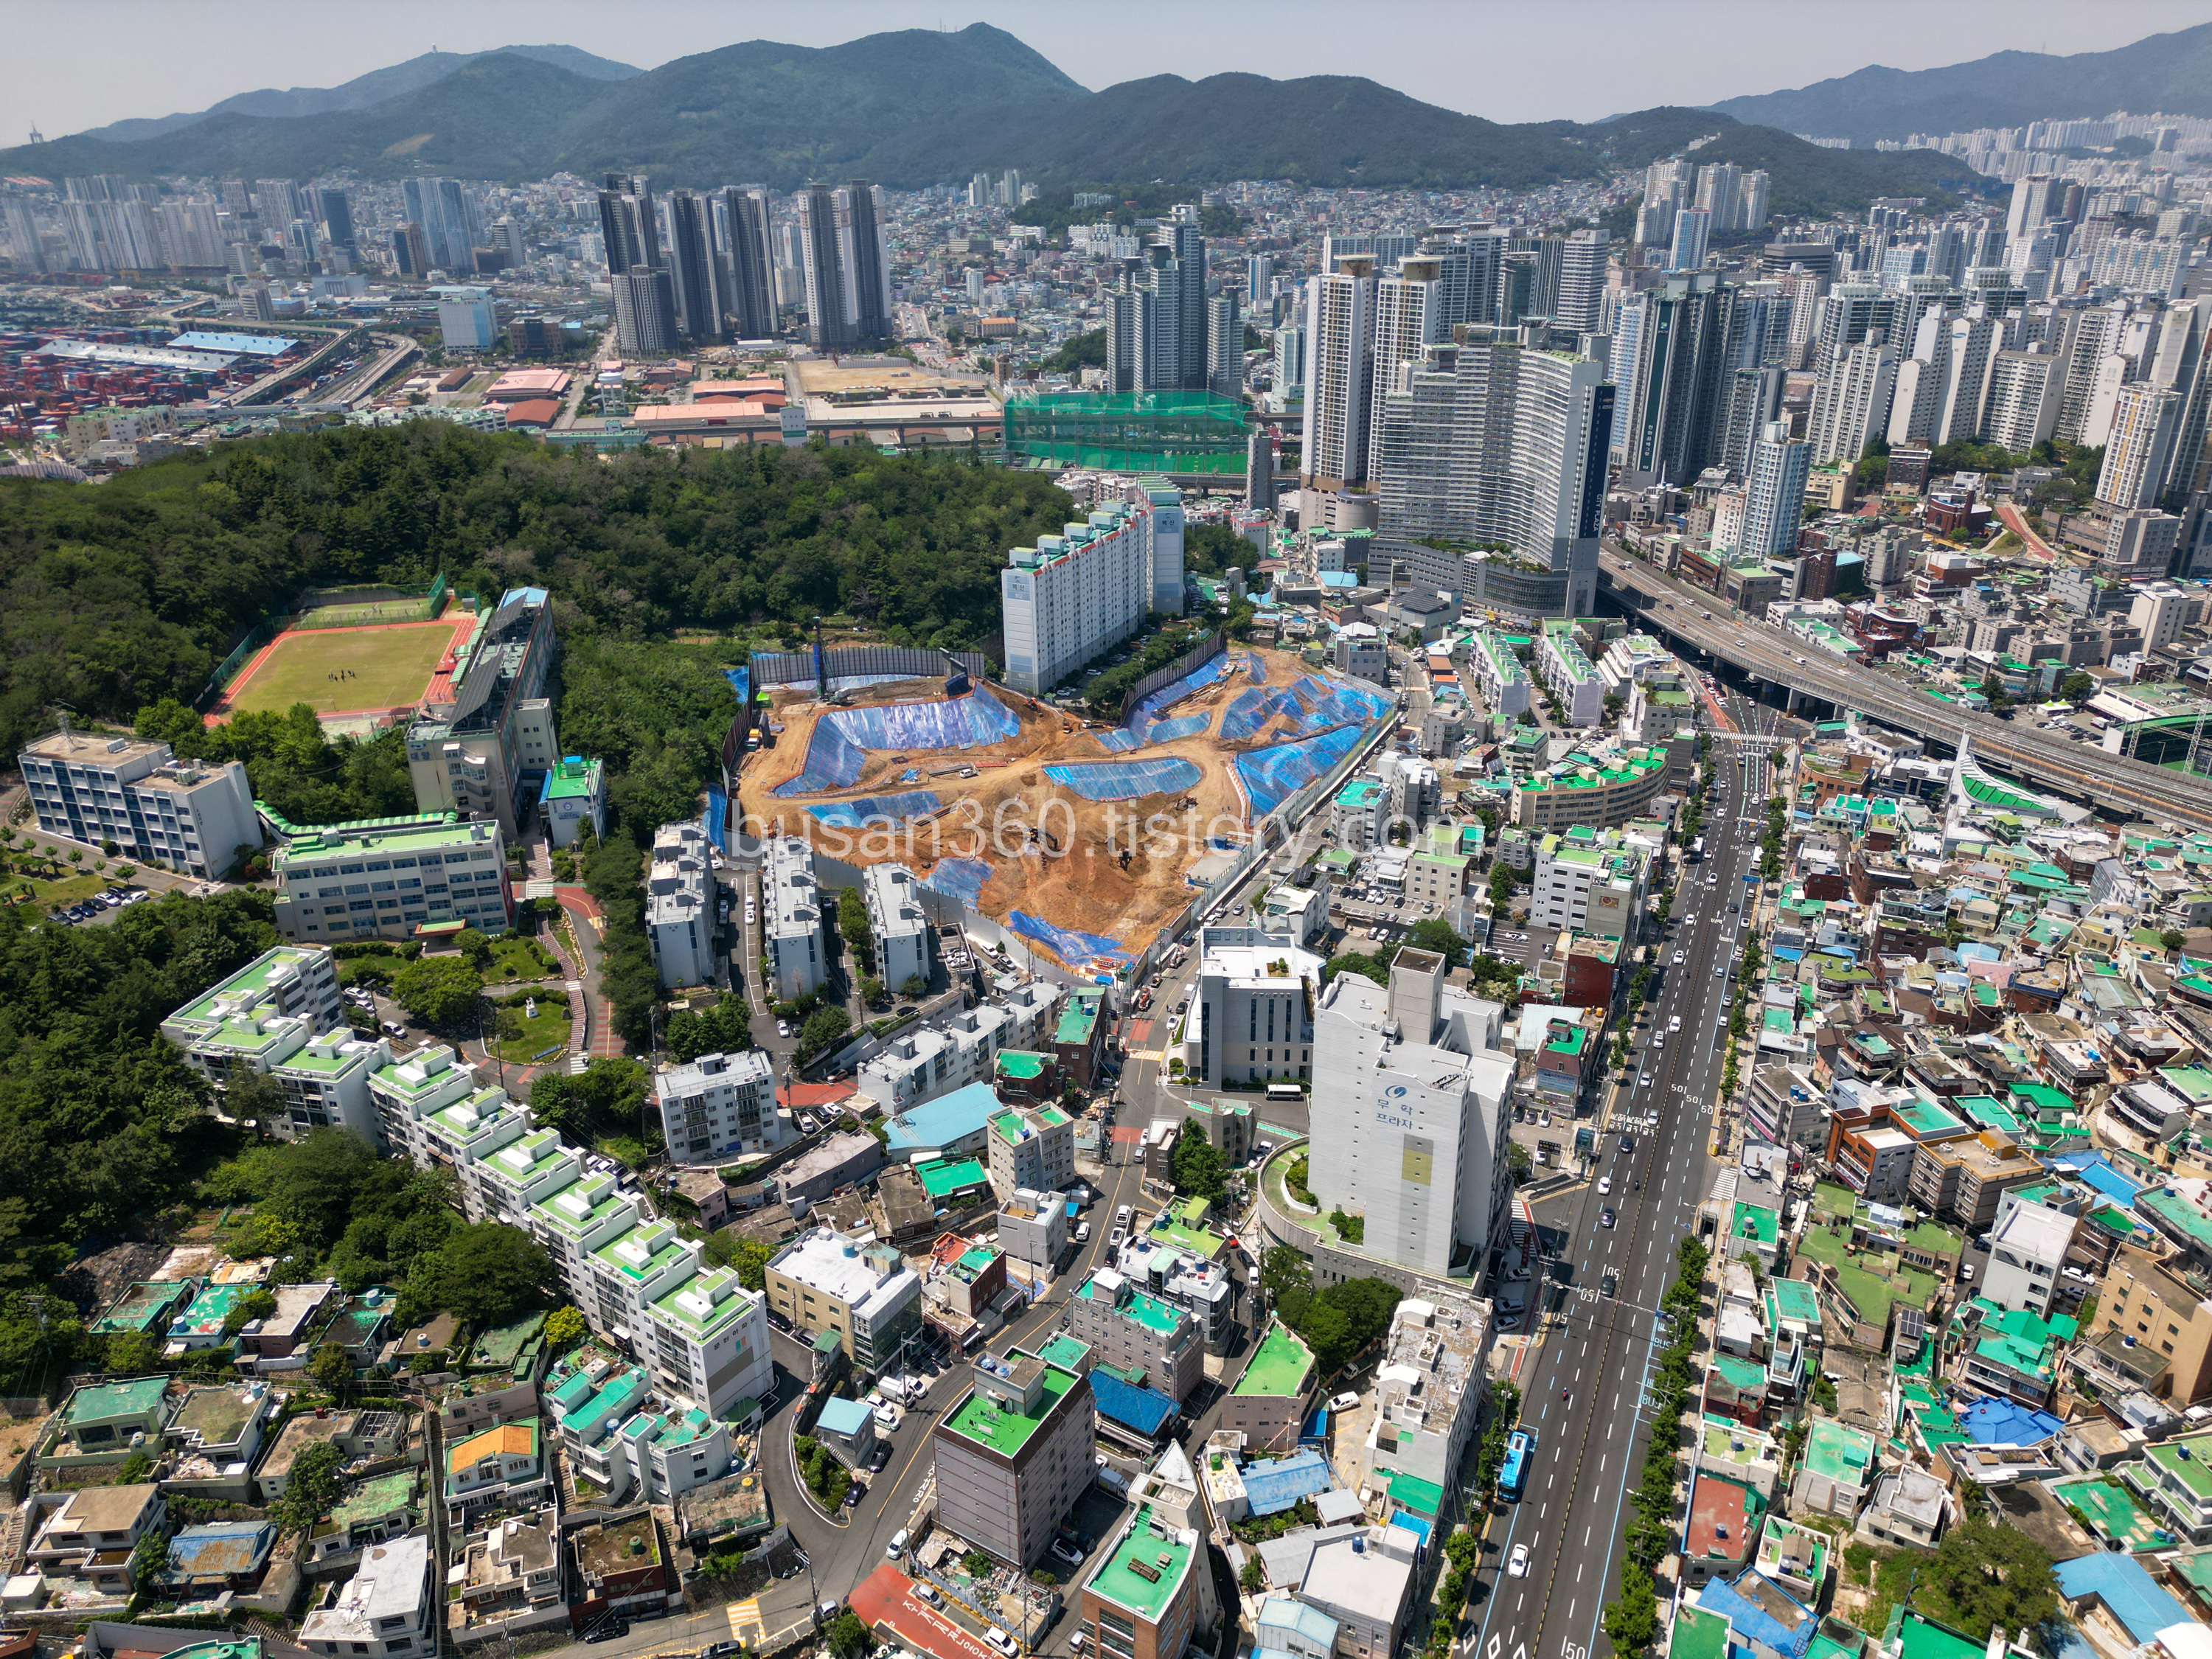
1755	1222
1079	1017
100	1402
1913	1636
572	777
1840	1454
248	983
2182	1458
942	1177
1699	1635
987	1423
1281	1365
1063	1350
1016	1062
1147	1565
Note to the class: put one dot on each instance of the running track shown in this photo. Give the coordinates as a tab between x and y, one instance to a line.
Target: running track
461	628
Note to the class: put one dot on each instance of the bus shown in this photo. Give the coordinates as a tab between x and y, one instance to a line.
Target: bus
1520	1447
1285	1092
1697	850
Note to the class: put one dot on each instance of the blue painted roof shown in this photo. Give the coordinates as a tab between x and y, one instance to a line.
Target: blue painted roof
1991	1422
1142	1409
1284	1613
1754	1623
846	1417
941	1122
2093	1169
1277	1486
253	346
2130	1594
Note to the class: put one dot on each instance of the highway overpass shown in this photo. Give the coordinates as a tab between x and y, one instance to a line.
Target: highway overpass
1692	616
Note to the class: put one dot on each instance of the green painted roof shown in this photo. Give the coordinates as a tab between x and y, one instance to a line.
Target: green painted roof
1148	1566
982	1420
1281	1366
941	1178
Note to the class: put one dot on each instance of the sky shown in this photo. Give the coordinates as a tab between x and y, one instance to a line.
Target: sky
69	66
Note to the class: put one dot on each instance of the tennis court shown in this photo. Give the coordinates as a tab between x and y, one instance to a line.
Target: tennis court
339	670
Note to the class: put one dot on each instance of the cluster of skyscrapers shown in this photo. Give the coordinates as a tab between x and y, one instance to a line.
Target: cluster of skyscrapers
110	224
1163	332
694	266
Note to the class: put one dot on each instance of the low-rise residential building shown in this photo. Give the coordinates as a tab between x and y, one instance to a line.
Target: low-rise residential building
1136	1333
1269	1404
93	788
899	923
792	917
866	1295
2170	1319
572	799
719	1106
1032	1150
1141	1598
679	907
1429	1388
959	1048
1033	1227
382	1612
1365	1582
1013	1455
2027	1254
1251	1015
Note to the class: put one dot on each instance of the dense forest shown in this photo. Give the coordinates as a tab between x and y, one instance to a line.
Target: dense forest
114	599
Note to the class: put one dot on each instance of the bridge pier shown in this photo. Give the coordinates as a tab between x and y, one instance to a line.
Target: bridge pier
1790	707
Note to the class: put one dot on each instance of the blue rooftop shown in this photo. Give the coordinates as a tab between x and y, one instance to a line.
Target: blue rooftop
1752	1621
1990	1422
254	345
2097	1171
941	1122
1144	1410
1283	1612
2130	1594
845	1417
1339	579
1277	1486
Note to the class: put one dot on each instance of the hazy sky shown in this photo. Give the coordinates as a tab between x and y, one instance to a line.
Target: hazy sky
82	62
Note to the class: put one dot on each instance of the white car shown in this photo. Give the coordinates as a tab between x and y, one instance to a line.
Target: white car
999	1639
1679	958
1605	1183
1343	1402
887	1415
1675	1023
1517	1566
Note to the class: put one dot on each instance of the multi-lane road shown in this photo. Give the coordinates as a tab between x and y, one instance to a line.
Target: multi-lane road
1698	618
1585	1393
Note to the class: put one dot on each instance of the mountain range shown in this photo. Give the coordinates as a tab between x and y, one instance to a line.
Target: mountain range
359	92
2171	74
922	106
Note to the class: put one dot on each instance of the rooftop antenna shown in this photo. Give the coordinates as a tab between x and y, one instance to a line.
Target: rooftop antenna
37	137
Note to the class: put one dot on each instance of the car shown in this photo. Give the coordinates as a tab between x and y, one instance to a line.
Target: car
896	1548
720	1650
1516	1565
999	1639
1343	1402
1675	1023
1064	1551
887	1415
1627	1141
925	1590
1083	1232
806	1122
1122	1216
881	1455
1610	1284
853	1494
783	1028
1605	1217
392	1029
1115	1237
1605	1183
613	1633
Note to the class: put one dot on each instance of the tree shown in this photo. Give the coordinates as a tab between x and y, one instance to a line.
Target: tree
1328	1331
564	1329
154	1558
1197	1165
329	1367
439	991
311	1489
2172	940
132	1353
853	927
475	946
487	1272
255	1099
1435	933
1287	1278
258	1304
1632	1624
824	1027
749	1257
848	1636
1983	1578
1250	1578
2077	687
724	1029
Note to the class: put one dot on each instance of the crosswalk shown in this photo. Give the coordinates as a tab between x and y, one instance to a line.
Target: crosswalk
746	1624
1152	1055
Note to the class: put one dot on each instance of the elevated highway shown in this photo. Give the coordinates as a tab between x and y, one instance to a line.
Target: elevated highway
1693	617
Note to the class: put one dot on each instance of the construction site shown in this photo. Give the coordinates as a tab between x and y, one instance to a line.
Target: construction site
1085	837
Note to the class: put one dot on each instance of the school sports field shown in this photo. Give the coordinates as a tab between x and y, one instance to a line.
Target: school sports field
389	668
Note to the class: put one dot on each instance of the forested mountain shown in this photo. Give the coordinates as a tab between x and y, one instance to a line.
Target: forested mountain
2168	73
361	92
920	106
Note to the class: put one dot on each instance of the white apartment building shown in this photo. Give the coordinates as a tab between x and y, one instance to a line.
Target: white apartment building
2146	419
1430	1387
1504	681
2026	388
822	1281
1851	404
278	1015
1033	1227
1774	501
1579	873
1074	596
1360	651
1357	815
1340	351
899	923
1132	1330
709	1342
2161	610
719	1106
386	878
957	1050
1410	1115
2027	1250
1030	1151
92	789
679	905
1415	790
618	1435
791	917
1251	1009
1567	669
382	1612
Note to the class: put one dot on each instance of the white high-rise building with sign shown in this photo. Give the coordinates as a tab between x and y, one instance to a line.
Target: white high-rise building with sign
1411	1109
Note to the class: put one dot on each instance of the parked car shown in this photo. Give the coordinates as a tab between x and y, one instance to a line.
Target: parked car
1605	1183
1343	1402
999	1639
1062	1551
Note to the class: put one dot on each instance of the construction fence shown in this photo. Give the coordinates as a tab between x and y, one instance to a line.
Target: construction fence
1206	649
857	662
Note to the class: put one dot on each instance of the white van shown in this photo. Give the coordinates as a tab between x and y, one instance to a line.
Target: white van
896	1547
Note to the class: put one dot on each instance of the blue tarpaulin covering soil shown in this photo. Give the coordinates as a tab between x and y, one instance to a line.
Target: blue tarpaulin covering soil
962	878
1086	951
837	752
1183	726
1124	780
716	818
1272	775
1119	741
879	808
1314	703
